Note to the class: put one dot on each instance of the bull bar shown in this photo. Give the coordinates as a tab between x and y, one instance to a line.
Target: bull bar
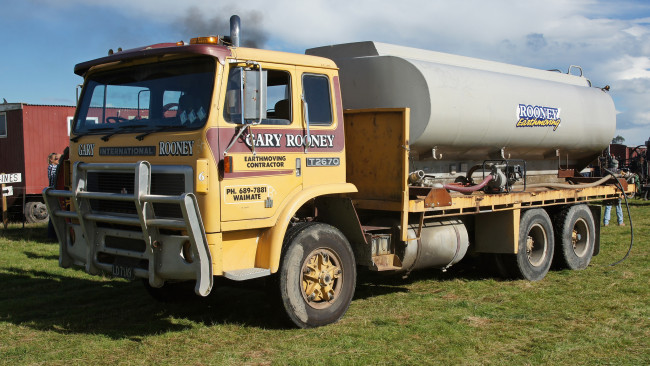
81	238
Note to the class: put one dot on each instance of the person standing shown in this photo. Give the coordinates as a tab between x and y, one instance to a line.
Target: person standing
53	164
612	166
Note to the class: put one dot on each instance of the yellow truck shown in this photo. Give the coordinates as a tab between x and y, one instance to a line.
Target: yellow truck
194	161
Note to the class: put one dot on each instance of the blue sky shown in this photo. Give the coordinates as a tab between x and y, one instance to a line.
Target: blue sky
610	40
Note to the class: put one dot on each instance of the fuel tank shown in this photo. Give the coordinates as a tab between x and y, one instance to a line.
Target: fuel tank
468	110
441	244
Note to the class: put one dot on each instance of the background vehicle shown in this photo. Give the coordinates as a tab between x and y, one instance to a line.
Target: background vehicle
211	159
28	134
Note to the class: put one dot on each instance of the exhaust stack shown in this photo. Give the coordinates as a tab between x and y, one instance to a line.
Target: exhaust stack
235	25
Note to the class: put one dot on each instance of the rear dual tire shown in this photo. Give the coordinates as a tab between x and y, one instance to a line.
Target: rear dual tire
535	248
575	234
569	243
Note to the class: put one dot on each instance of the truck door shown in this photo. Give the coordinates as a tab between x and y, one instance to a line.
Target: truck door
261	164
323	127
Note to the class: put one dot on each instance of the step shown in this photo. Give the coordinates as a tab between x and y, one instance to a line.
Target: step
247	273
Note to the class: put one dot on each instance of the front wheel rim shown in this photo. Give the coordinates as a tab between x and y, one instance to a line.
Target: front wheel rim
322	278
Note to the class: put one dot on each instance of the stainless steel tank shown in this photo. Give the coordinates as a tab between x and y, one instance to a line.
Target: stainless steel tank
467	110
442	244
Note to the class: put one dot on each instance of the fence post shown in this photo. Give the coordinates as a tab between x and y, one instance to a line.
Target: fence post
5	218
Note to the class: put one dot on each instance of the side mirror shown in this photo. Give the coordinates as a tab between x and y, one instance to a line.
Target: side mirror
254	95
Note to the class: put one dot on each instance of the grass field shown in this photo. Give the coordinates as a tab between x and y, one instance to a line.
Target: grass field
598	316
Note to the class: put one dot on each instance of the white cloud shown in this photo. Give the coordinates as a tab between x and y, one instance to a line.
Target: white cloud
644	118
636	31
609	39
634	68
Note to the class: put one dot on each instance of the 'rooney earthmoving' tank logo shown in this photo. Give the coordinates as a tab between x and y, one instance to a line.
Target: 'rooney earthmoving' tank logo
538	116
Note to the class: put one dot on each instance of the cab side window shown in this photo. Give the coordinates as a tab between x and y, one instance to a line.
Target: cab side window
316	91
276	97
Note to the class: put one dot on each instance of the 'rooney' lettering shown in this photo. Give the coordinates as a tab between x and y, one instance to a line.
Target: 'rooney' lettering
538	116
176	148
537	112
322	141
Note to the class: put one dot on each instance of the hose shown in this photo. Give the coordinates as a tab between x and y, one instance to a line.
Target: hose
471	171
463	189
571	186
629	215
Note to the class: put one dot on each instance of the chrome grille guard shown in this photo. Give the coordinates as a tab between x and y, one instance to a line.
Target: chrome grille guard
164	253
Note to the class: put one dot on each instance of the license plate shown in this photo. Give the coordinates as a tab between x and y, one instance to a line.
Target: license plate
323	161
124	269
123	272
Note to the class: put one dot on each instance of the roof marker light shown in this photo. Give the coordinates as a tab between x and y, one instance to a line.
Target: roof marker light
205	40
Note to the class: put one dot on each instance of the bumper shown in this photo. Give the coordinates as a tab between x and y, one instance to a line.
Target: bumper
146	246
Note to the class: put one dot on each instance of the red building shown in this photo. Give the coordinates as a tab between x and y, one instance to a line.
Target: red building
28	134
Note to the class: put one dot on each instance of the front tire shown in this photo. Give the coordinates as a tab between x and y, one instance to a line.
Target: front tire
317	275
575	234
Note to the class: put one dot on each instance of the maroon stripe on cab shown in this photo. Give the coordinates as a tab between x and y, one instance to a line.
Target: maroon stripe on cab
260	173
274	140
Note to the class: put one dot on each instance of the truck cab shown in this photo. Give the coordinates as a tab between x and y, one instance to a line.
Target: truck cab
189	161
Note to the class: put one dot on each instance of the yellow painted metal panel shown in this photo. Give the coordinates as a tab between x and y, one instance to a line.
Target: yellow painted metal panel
479	202
255	197
292	59
323	167
378	147
216	252
497	232
537	197
404	235
202	176
271	240
260	182
239	249
377	139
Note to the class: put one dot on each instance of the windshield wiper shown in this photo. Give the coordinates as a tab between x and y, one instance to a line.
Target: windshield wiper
90	132
161	128
120	129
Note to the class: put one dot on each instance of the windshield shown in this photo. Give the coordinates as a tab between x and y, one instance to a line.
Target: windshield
172	94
